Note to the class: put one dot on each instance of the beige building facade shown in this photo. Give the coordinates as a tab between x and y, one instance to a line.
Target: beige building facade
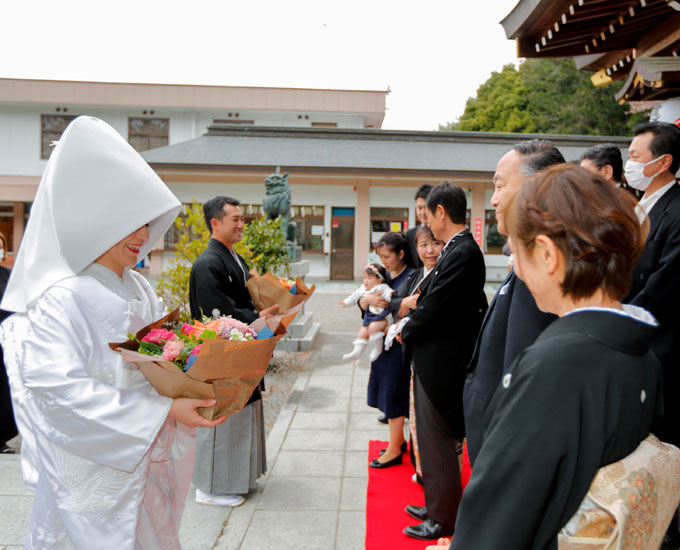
351	181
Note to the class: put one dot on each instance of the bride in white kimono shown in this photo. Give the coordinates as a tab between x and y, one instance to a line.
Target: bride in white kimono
110	460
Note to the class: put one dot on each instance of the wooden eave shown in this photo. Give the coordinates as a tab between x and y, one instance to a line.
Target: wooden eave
568	28
650	79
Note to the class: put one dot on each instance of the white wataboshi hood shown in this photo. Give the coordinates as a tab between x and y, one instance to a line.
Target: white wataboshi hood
95	191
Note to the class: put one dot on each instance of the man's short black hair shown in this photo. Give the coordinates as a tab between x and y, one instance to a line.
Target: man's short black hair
214	208
423	191
452	198
604	154
666	140
539	154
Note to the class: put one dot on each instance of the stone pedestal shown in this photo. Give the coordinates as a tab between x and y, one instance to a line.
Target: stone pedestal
303	331
295	255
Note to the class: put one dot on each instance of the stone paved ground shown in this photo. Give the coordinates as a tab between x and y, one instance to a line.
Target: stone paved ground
314	495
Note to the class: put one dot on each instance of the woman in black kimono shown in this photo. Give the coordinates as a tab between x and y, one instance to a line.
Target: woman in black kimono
8	428
403	301
587	392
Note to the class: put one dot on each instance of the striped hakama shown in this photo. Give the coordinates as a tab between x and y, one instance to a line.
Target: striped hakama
231	457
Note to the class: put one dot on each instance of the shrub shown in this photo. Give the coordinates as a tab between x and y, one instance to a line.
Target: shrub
263	246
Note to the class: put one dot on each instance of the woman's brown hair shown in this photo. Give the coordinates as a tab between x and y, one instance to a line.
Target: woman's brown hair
592	223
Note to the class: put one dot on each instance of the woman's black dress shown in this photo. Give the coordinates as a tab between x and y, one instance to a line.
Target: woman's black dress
388	383
8	428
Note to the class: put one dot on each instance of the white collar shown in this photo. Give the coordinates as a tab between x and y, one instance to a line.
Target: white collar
627	310
647	202
450	241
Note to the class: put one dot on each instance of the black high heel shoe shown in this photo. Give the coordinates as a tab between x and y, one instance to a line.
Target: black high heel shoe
394	462
404	448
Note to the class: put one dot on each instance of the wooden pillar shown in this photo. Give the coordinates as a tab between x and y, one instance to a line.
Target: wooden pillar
362	227
477	210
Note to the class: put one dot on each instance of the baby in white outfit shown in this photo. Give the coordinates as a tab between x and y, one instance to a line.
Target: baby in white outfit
375	322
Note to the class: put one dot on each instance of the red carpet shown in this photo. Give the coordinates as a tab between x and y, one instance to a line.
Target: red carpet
389	492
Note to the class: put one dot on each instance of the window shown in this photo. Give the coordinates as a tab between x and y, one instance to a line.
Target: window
384	220
173	235
310	227
251	211
51	128
148	133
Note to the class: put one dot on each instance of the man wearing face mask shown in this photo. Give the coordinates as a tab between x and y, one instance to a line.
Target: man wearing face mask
653	160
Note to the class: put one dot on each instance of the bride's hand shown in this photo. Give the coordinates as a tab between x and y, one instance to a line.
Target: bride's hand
184	410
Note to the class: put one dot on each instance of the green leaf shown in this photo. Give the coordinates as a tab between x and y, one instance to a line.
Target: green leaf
149	348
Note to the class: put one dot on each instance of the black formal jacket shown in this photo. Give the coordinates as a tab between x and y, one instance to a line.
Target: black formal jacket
583	396
216	282
413	248
443	328
655	286
512	323
406	289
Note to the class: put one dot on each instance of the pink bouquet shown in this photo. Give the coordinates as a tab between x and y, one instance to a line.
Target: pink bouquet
181	342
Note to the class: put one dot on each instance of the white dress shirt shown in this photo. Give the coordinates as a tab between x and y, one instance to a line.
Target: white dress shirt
647	202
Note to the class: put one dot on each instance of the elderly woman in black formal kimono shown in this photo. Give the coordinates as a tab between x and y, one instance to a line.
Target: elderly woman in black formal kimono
587	392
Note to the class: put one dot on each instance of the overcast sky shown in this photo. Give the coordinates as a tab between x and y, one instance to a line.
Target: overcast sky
432	55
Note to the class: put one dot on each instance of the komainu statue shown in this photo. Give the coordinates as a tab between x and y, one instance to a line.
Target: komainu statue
276	201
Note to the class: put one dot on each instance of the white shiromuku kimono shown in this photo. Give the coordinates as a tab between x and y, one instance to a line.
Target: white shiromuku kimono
109	469
113	470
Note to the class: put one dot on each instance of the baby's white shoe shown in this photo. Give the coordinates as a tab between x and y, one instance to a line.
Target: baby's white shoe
359	347
376	341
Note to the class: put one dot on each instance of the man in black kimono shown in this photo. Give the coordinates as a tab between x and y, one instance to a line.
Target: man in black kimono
441	331
421	217
513	321
231	457
653	160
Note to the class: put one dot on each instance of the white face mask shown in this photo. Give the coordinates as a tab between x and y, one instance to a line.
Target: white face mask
635	174
2	254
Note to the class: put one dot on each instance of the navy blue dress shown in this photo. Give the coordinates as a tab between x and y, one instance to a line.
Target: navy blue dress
388	383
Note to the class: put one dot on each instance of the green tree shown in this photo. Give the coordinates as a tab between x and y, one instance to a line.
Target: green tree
545	96
263	246
173	284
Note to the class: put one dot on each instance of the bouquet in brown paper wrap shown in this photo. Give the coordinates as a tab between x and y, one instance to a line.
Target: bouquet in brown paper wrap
179	361
268	289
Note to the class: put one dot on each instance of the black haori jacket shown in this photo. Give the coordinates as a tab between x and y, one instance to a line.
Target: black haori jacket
583	396
655	286
216	282
443	328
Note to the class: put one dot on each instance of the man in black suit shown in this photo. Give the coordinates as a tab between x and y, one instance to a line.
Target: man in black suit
653	160
229	458
421	216
513	321
442	331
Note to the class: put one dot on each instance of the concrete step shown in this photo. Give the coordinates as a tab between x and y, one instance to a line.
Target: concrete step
301	344
300	325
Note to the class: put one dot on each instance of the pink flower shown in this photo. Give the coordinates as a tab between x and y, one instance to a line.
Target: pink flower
228	324
159	335
187	329
172	349
196	350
